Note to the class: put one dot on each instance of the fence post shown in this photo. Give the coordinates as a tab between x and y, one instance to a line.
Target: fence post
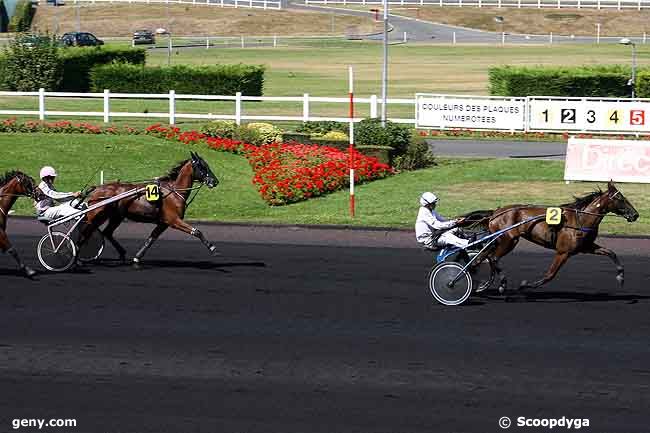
238	108
453	38
373	106
207	43
41	104
275	41
305	107
242	41
107	106
172	107
550	38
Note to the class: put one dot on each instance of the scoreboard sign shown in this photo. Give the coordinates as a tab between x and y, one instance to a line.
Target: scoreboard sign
475	112
588	115
603	160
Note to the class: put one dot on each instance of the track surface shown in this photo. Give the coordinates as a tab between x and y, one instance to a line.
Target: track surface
326	336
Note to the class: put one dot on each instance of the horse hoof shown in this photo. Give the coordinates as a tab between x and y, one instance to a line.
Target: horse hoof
137	264
523	285
29	272
214	252
621	280
122	260
502	289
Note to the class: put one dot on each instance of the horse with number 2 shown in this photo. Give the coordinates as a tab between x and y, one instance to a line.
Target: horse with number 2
568	229
161	201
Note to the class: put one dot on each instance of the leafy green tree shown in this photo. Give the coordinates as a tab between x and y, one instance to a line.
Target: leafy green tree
31	61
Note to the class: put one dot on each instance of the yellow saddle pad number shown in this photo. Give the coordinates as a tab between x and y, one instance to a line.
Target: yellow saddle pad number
152	192
553	216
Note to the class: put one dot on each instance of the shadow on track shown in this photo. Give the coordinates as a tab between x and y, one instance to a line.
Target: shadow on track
203	264
569	297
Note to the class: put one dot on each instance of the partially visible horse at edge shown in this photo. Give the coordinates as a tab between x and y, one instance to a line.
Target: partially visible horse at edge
13	184
575	234
168	211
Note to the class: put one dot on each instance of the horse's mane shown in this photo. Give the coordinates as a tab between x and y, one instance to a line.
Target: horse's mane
10	175
174	171
581	202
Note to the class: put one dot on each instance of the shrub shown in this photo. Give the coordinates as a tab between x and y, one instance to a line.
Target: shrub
585	81
247	135
184	79
336	135
22	19
321	127
418	155
267	132
369	132
31	62
219	128
643	84
79	61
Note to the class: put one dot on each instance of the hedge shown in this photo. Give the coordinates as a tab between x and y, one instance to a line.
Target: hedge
643	84
586	81
215	80
4	18
78	62
22	19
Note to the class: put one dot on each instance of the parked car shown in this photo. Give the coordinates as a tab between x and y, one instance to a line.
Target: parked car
31	40
144	37
80	39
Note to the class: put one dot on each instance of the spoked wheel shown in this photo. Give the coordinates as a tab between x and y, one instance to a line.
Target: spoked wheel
444	289
483	274
90	249
57	253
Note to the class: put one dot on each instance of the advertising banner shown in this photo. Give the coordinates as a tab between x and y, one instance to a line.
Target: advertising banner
604	160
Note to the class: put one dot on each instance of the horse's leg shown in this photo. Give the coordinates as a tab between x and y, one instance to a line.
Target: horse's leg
181	225
157	231
113	224
6	247
558	261
602	251
505	244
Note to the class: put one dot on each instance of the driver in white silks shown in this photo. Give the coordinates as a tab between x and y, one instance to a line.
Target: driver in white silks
47	196
432	231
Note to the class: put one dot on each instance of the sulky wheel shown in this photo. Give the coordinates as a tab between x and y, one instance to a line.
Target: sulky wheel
91	249
56	252
442	288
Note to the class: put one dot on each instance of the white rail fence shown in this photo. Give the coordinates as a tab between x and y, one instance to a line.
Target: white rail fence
172	113
539	4
259	4
431	111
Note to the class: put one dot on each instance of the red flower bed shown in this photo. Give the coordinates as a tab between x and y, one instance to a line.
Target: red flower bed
291	172
284	173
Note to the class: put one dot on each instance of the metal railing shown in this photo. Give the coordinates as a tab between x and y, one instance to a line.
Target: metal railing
259	4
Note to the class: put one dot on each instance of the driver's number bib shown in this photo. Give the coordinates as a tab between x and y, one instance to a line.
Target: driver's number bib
553	216
152	192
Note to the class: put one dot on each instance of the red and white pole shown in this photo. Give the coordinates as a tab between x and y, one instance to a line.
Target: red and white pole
351	149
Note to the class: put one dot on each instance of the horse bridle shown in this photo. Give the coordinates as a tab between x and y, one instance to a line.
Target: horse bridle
19	178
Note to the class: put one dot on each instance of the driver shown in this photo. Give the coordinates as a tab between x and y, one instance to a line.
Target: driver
45	206
432	231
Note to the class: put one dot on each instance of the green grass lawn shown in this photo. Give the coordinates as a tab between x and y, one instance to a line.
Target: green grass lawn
294	70
462	184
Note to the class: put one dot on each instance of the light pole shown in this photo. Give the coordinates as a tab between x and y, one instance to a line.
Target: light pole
384	69
162	31
632	82
499	20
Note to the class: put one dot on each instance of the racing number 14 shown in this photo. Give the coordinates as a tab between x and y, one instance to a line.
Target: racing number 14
152	192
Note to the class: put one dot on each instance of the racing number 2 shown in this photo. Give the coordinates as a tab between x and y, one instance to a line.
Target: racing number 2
553	216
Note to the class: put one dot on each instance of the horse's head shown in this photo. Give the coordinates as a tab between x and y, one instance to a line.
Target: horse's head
201	171
23	185
618	204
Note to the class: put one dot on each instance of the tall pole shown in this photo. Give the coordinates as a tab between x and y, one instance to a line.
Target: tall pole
384	69
77	16
351	133
633	69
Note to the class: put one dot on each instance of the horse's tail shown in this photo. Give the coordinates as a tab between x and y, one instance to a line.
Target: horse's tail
478	219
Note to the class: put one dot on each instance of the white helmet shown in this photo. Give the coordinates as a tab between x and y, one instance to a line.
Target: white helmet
428	198
47	171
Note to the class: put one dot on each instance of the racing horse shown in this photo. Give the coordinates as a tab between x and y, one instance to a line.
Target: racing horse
575	234
168	211
13	184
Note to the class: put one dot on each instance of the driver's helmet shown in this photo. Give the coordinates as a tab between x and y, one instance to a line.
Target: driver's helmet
428	198
47	171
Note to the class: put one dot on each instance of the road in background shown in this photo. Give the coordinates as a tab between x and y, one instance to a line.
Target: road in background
499	149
